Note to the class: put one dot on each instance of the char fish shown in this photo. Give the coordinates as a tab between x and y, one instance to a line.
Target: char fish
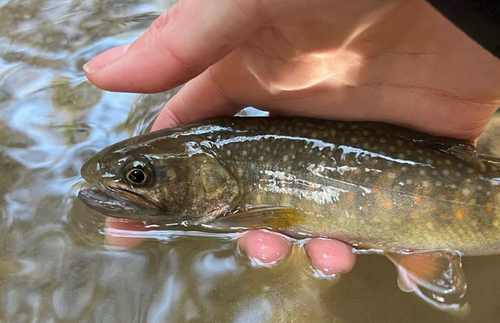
423	201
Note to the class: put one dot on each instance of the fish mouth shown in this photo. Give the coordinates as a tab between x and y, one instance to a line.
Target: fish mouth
119	203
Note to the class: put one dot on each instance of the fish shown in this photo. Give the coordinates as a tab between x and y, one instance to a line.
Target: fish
422	201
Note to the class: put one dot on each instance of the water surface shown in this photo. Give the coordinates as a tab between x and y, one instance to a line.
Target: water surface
54	266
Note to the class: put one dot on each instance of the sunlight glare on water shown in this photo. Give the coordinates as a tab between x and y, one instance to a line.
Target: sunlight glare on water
54	264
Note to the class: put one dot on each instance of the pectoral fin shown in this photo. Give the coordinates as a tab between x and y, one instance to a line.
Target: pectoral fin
436	276
276	218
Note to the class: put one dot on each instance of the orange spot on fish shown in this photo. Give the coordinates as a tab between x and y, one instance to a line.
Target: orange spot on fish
433	208
375	190
388	203
442	197
364	208
351	196
415	215
443	216
488	208
418	199
460	214
312	188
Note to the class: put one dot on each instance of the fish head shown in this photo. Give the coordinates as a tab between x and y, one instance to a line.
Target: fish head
171	180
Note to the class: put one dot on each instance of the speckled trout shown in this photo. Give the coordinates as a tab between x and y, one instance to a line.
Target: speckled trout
423	201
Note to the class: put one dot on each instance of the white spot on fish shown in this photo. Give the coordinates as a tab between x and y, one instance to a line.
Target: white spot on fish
391	175
465	191
446	172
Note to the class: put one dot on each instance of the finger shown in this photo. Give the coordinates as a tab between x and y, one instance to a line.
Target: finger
199	99
331	257
264	247
120	233
179	45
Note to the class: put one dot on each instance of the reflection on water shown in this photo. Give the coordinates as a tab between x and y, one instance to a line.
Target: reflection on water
53	264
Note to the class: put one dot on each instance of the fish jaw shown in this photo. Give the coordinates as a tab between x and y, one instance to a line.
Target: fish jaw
114	204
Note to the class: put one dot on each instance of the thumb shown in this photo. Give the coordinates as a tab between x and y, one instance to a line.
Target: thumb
199	99
179	45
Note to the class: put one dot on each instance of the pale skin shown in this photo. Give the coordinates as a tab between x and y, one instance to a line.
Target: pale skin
395	61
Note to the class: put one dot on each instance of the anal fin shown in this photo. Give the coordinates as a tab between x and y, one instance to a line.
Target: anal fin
436	276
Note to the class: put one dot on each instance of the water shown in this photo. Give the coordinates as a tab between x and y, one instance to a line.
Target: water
54	266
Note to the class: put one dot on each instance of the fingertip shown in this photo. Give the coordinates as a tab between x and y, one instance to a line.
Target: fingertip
264	247
103	60
119	233
329	256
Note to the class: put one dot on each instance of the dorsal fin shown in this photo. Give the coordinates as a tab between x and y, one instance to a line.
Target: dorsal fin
458	148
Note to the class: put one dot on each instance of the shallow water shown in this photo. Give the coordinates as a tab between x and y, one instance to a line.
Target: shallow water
54	266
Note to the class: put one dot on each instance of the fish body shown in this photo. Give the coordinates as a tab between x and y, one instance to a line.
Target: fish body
369	184
423	201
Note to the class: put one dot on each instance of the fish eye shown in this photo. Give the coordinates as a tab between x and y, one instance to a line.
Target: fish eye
138	173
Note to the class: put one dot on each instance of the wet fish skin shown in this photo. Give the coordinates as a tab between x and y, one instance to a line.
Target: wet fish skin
368	184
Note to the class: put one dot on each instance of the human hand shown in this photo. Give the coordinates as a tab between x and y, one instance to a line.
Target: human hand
396	61
265	248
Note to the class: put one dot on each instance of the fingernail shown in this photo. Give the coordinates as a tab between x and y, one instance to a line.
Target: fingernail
104	59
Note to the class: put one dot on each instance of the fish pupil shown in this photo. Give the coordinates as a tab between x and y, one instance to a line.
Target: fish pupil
137	176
